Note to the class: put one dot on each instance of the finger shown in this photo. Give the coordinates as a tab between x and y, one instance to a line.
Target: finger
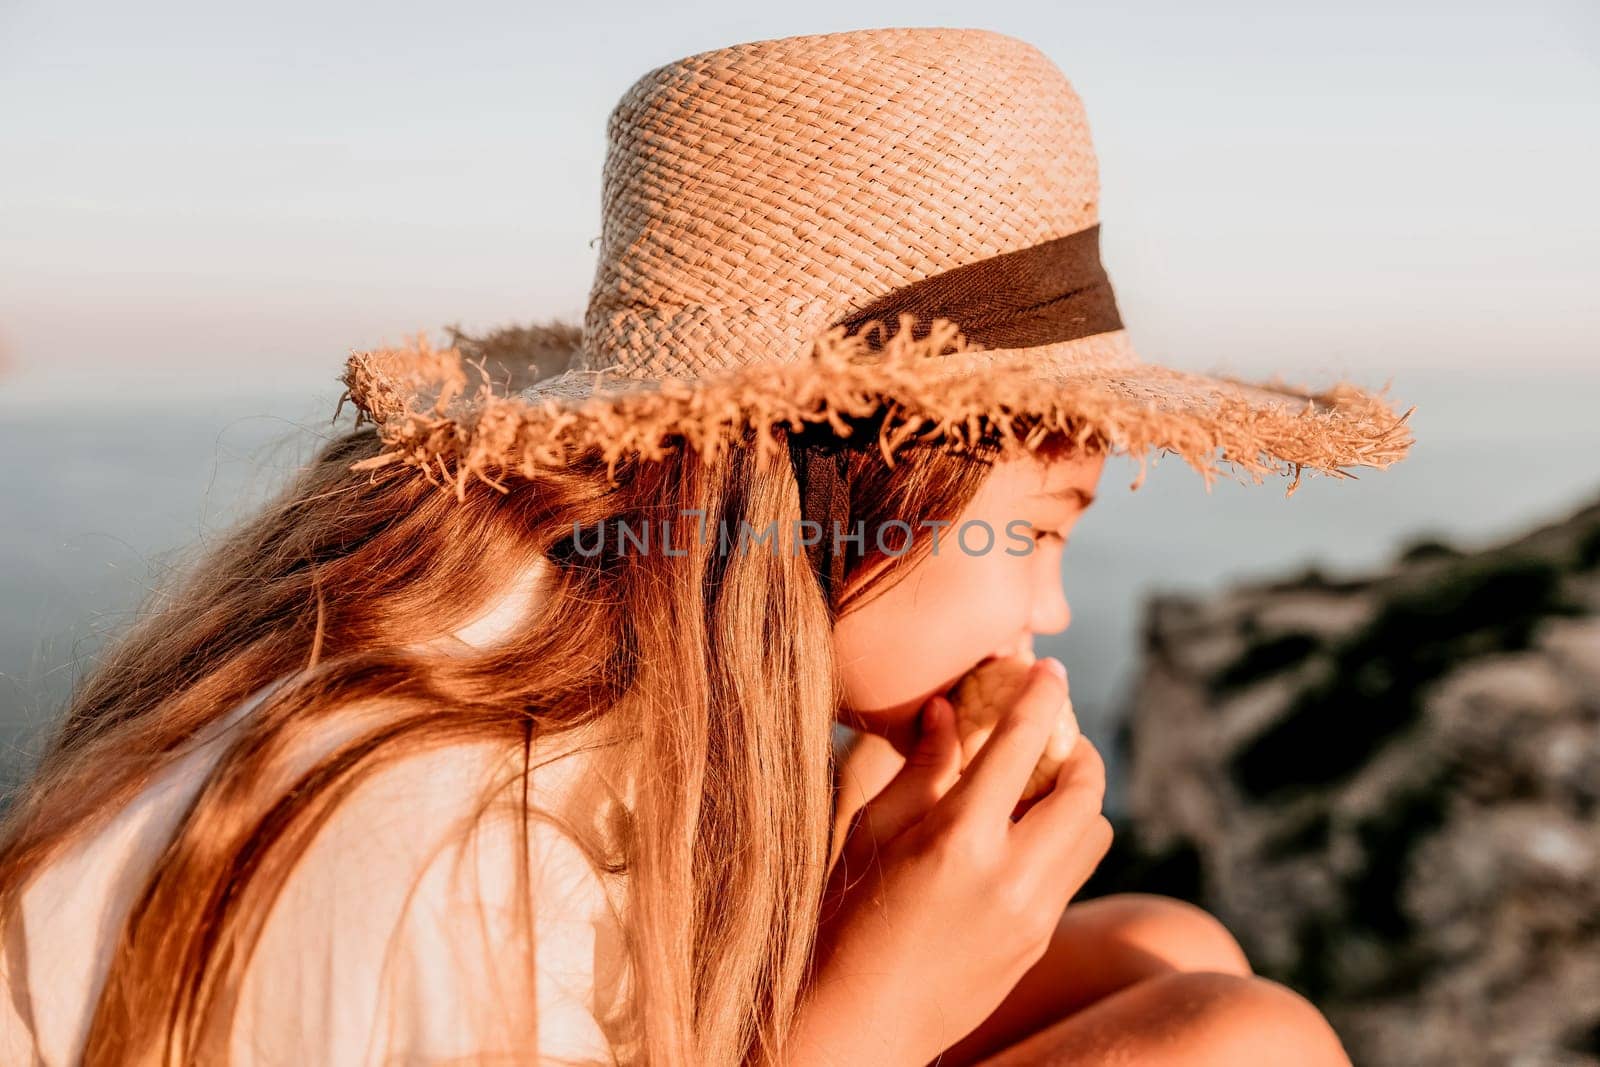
1066	731
994	780
1063	736
1063	813
1063	740
1077	864
1081	780
929	769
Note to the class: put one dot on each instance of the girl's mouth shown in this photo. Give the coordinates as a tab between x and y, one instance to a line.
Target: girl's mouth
1021	646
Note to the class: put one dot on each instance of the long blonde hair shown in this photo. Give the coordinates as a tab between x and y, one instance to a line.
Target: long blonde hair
710	671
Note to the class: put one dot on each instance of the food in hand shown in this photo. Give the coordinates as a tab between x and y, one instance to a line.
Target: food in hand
987	693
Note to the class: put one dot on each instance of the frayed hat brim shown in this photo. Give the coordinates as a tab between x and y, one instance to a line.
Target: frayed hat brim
511	412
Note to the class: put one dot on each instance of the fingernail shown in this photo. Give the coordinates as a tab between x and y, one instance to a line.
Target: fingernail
1056	667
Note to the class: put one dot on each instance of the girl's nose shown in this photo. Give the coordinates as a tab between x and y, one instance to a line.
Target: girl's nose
1051	612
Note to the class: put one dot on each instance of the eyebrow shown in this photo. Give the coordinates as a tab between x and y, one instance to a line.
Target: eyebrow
1069	493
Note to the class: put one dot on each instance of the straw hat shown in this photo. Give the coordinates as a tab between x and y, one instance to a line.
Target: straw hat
808	230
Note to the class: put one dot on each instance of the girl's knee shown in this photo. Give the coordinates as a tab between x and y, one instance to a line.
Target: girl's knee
1230	1018
1167	930
1187	1019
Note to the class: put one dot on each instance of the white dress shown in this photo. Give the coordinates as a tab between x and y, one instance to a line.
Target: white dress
393	940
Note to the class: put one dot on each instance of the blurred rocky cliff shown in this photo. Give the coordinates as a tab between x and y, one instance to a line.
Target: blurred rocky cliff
1389	789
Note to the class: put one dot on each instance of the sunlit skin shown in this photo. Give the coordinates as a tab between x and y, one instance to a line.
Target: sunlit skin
1129	978
891	654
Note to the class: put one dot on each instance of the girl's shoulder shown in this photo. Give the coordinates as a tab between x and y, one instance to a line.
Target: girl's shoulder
432	910
402	931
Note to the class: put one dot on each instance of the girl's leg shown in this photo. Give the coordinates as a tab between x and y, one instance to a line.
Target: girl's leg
1102	946
1185	1019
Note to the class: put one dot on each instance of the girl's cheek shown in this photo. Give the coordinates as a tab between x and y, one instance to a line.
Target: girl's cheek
896	657
920	636
990	609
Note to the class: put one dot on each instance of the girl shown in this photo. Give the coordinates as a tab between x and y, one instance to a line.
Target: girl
538	767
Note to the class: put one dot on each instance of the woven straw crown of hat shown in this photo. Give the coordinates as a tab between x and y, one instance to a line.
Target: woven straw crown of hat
894	222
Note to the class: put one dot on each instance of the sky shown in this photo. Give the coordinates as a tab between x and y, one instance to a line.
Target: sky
204	196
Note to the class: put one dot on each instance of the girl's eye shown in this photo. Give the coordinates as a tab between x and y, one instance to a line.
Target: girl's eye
1049	535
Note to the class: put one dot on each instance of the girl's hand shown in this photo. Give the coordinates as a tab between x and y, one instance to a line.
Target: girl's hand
940	901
